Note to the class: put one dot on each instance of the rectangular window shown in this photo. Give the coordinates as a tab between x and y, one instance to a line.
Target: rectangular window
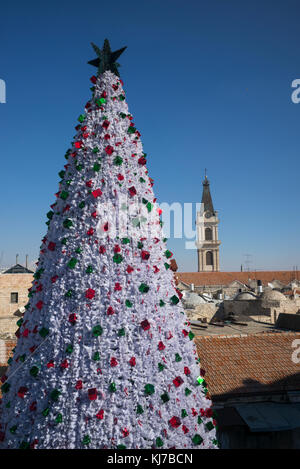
14	297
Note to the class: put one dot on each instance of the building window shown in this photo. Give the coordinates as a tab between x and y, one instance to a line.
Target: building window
208	234
14	297
209	258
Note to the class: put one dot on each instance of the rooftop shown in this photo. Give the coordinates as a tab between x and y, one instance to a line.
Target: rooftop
225	278
255	364
18	269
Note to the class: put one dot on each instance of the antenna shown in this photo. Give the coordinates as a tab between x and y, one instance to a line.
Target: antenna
17	258
248	261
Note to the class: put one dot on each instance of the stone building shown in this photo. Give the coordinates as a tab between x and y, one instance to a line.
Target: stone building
14	285
228	284
255	388
207	243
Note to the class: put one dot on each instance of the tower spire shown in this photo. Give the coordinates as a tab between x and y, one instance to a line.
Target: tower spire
206	196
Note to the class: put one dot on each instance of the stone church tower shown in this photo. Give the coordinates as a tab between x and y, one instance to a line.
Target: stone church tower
207	243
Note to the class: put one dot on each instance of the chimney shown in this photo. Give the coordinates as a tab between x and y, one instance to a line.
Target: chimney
192	287
259	286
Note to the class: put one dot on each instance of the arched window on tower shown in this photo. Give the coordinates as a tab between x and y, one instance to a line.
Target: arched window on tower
209	258
208	234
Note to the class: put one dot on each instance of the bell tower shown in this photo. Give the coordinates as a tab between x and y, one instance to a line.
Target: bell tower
207	243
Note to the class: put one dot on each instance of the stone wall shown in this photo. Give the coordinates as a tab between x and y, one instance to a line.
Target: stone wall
6	351
17	283
271	309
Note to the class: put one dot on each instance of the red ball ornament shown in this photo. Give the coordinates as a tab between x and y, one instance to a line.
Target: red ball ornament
100	414
118	287
145	255
113	362
90	293
132	191
132	361
161	346
90	232
185	429
22	391
105	124
187	371
142	161
120	177
145	325
32	406
129	269
72	318
89	183
92	394
117	248
175	422
93	79
64	364
39	305
97	193
109	150
177	381
78	385
51	246
110	311
102	249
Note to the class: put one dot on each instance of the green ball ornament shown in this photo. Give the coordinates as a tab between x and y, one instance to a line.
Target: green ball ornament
43	332
161	367
144	288
69	348
112	387
97	330
72	263
34	371
149	389
59	418
67	223
118	258
86	440
165	397
197	440
174	300
64	195
96	167
139	409
55	395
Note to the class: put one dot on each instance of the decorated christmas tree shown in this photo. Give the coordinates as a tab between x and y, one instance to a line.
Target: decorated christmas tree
105	356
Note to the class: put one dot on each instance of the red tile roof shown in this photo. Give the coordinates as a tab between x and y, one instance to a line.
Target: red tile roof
253	364
225	278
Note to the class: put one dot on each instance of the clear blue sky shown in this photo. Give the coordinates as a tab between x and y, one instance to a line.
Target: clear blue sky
208	84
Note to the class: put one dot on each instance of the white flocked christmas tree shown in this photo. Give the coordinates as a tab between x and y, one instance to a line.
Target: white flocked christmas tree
105	357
